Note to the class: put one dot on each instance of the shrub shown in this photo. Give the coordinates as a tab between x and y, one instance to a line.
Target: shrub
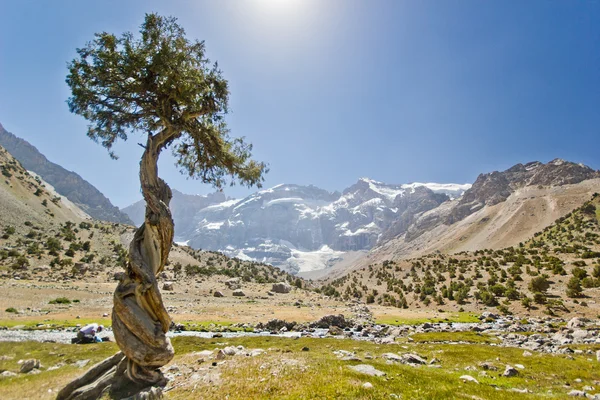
12	310
60	300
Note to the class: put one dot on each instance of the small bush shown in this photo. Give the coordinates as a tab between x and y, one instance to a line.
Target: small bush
60	300
12	310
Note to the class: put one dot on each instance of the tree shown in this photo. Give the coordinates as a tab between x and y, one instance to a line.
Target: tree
539	284
162	86
574	287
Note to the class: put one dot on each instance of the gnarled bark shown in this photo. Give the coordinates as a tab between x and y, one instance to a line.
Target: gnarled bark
139	318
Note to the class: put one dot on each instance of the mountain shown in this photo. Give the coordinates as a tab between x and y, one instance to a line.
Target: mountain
500	209
66	183
304	228
555	271
183	208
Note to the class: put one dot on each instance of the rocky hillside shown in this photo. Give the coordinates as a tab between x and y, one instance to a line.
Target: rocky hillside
556	271
66	183
500	210
303	228
44	236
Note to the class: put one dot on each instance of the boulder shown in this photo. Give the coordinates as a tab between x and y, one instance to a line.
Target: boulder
335	330
233	283
29	365
218	293
168	286
469	378
576	322
281	287
331	320
239	293
510	371
367	370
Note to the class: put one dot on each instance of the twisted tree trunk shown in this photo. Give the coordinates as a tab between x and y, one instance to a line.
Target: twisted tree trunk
139	318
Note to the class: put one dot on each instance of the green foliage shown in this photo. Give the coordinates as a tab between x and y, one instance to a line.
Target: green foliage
163	85
539	284
60	300
12	310
574	287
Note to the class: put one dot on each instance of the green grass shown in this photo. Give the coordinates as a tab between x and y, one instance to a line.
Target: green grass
469	337
287	372
453	317
29	324
598	213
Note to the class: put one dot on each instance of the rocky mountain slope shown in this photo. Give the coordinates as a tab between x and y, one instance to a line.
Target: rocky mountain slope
66	183
44	236
500	210
556	271
303	228
183	207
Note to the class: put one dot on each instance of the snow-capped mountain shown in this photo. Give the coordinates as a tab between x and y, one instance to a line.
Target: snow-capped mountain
303	228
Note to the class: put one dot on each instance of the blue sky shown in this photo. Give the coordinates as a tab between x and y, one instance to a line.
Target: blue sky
329	91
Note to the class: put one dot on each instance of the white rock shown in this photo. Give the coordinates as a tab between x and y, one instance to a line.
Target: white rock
469	378
367	385
367	369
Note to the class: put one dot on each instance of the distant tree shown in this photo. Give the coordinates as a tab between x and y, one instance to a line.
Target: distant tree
539	284
574	287
162	86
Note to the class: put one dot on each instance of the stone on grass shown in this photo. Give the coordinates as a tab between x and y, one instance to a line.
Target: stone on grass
230	351
527	353
469	378
577	393
410	358
8	374
510	371
29	365
367	385
82	363
281	287
367	370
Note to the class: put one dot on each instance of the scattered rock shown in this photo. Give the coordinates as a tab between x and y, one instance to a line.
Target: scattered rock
168	286
577	393
82	363
281	287
29	365
510	371
469	378
367	369
8	374
488	366
576	322
230	351
239	293
410	358
233	283
367	385
218	294
331	320
335	331
305	348
527	353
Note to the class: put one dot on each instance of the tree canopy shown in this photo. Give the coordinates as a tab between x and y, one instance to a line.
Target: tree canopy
163	85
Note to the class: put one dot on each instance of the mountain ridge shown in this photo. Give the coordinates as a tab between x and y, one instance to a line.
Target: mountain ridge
67	183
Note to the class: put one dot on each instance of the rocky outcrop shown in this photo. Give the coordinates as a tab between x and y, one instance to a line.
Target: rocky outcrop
66	183
495	187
